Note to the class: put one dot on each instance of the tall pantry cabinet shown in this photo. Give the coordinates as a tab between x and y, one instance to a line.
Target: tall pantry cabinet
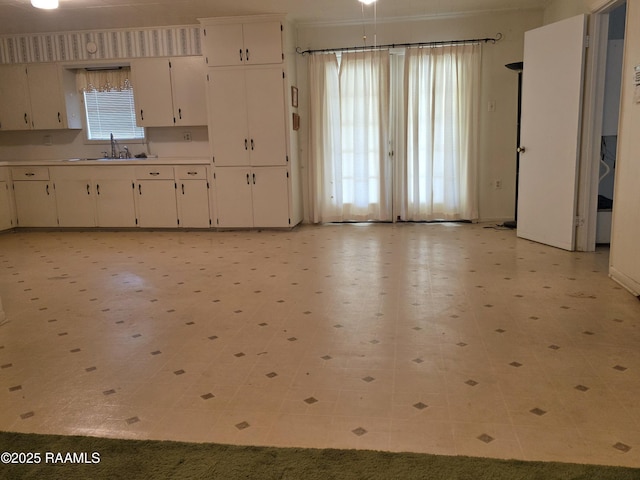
253	146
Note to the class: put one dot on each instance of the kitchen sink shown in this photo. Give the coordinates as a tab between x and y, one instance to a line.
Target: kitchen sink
102	159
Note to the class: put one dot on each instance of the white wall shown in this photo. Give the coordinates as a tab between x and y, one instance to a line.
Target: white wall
560	9
164	142
500	85
625	260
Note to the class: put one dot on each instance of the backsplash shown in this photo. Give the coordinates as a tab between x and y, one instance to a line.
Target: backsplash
109	44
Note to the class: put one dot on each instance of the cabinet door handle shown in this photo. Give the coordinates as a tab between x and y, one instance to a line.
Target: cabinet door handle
98	188
140	188
183	188
180	113
59	118
240	54
254	178
47	189
248	179
88	189
247	54
141	114
246	144
252	144
26	120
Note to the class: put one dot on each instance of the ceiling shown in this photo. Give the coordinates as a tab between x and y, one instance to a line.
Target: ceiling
19	17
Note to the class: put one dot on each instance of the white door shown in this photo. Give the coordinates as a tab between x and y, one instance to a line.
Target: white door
115	205
157	204
151	81
550	136
224	45
47	107
76	201
233	197
266	116
6	220
228	118
189	92
15	107
270	188
35	203
193	196
263	43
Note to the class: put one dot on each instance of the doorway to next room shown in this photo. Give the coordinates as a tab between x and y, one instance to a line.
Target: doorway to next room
611	111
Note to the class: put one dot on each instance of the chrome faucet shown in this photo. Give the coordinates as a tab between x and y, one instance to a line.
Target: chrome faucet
114	152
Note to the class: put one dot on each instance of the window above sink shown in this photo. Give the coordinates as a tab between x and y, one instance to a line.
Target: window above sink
108	100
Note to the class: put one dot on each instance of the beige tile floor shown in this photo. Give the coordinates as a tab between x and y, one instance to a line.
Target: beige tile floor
449	339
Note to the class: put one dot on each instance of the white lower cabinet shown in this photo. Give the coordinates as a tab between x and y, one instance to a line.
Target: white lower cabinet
34	195
89	196
111	196
252	197
193	196
115	205
156	196
76	203
270	191
6	212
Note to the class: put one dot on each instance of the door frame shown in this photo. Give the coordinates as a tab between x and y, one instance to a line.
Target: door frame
593	109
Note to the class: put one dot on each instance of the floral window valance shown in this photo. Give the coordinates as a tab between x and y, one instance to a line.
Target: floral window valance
104	80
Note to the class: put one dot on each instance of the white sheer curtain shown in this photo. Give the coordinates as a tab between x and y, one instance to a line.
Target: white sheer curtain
325	156
425	157
364	110
442	90
349	174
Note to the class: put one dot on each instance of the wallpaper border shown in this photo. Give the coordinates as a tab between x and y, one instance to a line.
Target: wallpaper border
111	44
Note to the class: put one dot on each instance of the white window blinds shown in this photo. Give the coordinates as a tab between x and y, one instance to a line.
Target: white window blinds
109	105
111	112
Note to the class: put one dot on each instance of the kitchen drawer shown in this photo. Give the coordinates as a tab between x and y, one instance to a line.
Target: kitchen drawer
154	172
191	172
30	173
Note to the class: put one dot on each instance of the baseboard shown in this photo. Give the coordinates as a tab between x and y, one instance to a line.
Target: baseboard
627	282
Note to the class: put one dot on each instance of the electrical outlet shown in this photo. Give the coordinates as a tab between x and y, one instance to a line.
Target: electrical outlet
47	140
186	136
498	183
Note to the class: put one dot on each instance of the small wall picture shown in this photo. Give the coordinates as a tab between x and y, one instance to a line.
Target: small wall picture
294	97
296	121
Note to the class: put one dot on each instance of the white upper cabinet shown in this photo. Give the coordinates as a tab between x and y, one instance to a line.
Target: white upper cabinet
247	116
169	91
15	107
250	43
38	97
189	90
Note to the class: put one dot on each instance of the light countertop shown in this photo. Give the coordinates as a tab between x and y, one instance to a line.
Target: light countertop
108	161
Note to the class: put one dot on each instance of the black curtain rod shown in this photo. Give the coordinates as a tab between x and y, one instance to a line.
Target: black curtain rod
497	38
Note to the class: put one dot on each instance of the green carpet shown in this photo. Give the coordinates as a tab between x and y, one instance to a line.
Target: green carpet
145	459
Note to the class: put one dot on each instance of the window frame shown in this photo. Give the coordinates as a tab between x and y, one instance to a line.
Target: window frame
81	99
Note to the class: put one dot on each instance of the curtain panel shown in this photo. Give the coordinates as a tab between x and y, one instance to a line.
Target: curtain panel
325	158
103	80
442	90
349	174
410	154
